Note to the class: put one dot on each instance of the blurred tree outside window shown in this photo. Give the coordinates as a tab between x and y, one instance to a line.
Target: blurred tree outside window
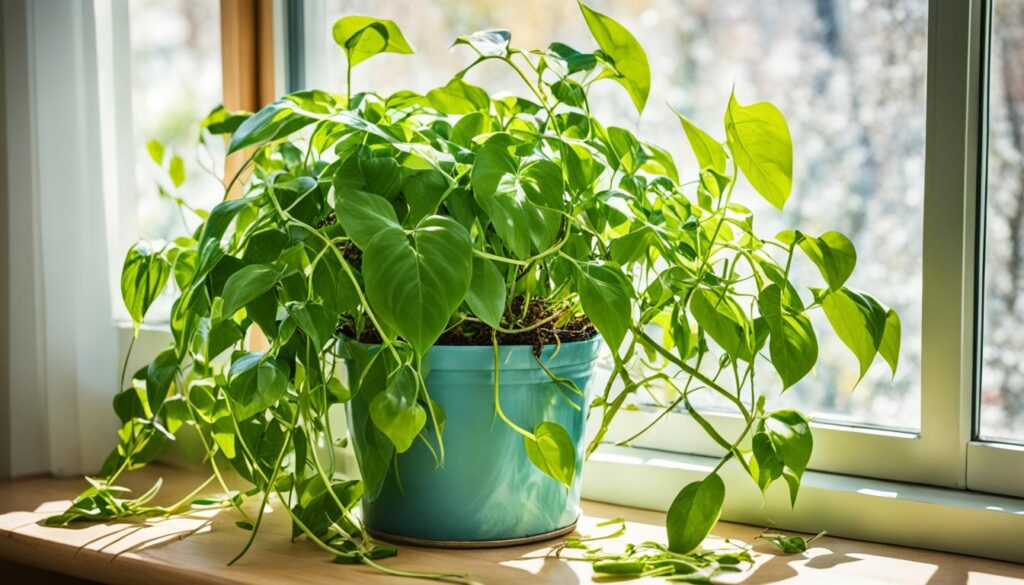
176	81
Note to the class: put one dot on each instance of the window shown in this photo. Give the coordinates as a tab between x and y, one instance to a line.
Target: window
159	74
850	78
1001	408
887	135
175	81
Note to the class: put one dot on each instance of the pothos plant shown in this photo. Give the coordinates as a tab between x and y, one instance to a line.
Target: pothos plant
457	216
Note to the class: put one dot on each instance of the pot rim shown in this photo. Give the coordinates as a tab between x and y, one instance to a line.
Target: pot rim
510	357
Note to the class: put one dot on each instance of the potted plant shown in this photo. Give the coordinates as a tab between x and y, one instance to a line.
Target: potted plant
466	256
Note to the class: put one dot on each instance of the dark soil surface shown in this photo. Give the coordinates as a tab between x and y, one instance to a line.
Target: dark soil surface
579	328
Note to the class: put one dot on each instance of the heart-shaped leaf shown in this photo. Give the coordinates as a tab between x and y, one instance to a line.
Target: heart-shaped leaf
247	284
553	452
255	382
723	319
487	43
790	434
832	252
793	345
363	215
709	152
522	202
890	348
605	295
759	140
859	321
316	322
396	412
143	278
623	53
694	513
415	283
486	295
458	97
362	37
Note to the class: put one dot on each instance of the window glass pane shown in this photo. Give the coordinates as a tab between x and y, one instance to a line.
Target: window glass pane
1002	376
176	81
850	78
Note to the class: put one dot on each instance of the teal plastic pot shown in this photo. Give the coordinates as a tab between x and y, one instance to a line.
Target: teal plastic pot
488	492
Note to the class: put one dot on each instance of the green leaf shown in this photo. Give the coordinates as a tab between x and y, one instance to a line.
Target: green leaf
724	320
623	53
458	97
159	377
572	60
265	247
620	568
793	345
220	218
790	545
659	162
633	246
382	175
605	295
255	382
890	347
316	322
791	438
395	410
222	335
833	254
362	37
626	148
569	92
363	215
469	126
487	294
415	284
758	138
338	391
333	286
274	121
246	285
522	202
177	171
143	278
487	43
709	152
769	466
221	121
694	513
858	322
424	190
186	313
155	148
201	397
553	452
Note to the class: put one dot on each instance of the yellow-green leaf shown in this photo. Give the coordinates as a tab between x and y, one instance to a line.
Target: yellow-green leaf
759	140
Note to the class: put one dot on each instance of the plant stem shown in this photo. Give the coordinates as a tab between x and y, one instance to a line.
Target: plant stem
497	397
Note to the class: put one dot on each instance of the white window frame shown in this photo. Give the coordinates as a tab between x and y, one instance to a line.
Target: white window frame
992	466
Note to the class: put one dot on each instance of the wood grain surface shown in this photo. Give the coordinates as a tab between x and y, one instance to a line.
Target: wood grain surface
195	548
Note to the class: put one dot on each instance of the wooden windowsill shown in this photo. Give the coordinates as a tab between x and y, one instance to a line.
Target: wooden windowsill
158	552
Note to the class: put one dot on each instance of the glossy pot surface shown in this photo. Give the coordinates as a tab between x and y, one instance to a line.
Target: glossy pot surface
488	490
